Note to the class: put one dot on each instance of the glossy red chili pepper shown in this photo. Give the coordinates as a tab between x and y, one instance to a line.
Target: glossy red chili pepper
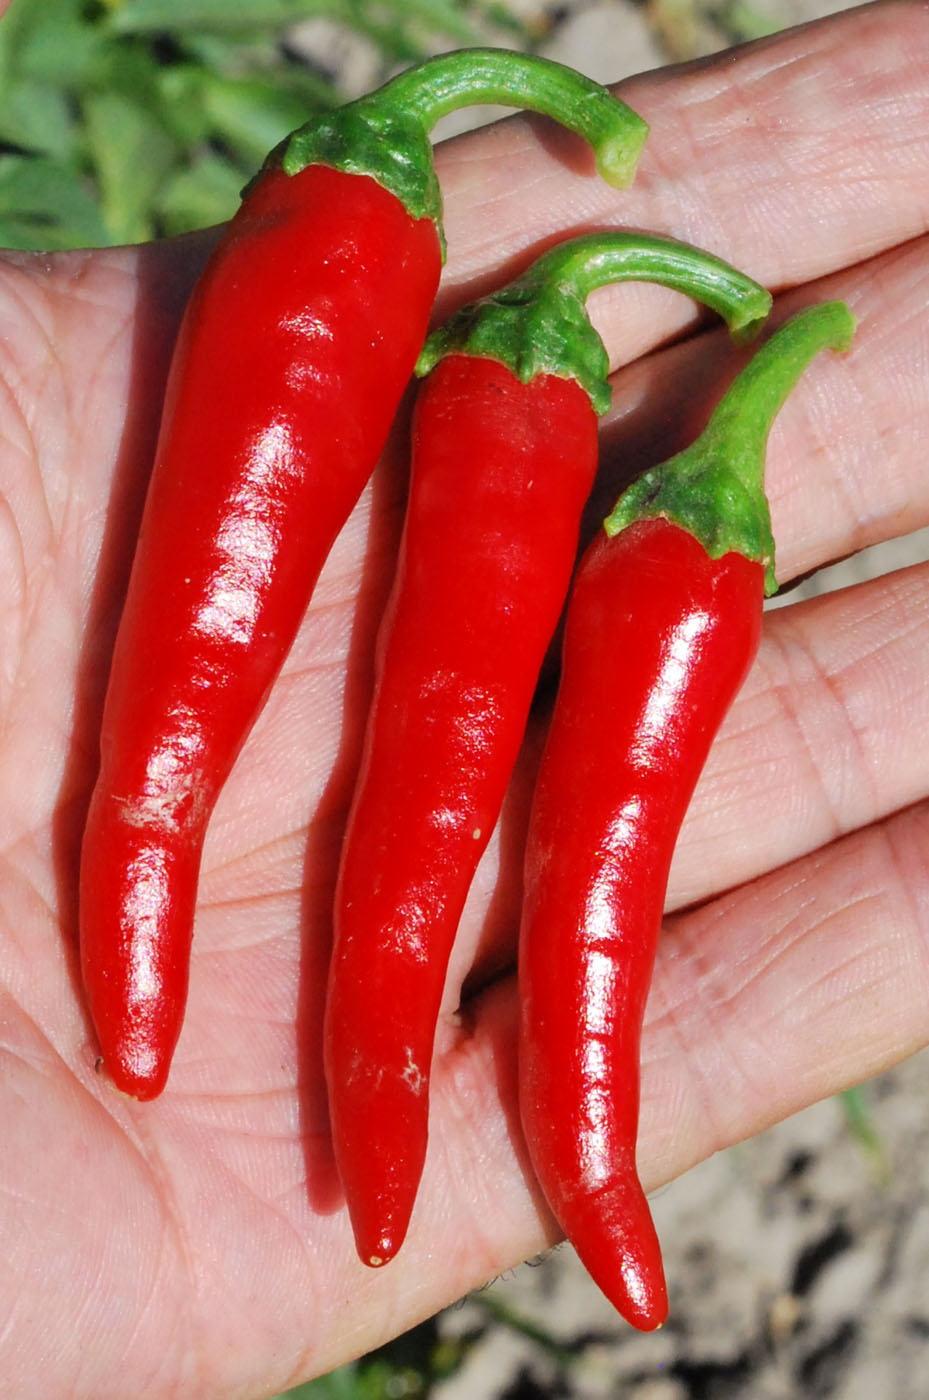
298	342
662	626
504	455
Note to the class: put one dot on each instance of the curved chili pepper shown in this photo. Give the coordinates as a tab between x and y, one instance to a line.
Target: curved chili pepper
292	356
504	455
662	626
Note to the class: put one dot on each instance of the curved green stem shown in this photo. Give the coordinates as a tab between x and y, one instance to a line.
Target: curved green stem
597	259
385	134
442	85
538	324
742	419
715	487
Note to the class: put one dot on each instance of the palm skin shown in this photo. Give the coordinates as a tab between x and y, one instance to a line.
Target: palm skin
197	1246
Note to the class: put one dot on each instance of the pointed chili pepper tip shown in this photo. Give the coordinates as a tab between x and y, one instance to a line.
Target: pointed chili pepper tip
644	1301
378	1251
379	1223
139	1088
619	1247
132	1059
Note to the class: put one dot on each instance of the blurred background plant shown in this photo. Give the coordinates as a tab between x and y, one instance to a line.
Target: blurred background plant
124	120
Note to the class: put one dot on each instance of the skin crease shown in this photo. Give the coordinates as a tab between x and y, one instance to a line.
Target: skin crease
197	1247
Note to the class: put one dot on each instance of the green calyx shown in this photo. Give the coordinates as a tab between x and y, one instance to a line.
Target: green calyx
367	137
715	488
385	134
532	328
539	323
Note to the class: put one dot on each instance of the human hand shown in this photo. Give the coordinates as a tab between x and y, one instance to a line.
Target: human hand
197	1246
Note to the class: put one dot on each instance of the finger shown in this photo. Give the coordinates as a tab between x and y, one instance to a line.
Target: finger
845	465
795	157
823	722
848	468
821	727
763	1002
818	744
819	722
806	981
820	741
506	193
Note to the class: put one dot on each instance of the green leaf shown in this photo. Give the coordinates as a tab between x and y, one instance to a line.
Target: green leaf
181	107
310	88
251	115
37	118
18	23
741	20
170	16
46	205
864	1129
528	32
244	62
389	34
438	17
496	1305
205	194
341	1384
60	47
231	54
130	68
132	155
388	22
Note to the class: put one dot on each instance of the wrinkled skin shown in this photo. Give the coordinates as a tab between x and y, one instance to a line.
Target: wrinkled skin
197	1246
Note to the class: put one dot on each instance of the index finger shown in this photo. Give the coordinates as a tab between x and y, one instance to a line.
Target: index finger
792	157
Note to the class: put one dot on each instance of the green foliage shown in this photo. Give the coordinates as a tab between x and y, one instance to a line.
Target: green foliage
861	1123
404	1369
740	20
124	120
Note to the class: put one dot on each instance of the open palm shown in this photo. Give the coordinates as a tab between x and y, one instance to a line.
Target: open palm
197	1246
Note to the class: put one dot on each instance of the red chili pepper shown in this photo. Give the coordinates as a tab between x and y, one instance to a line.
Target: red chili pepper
504	455
662	626
293	354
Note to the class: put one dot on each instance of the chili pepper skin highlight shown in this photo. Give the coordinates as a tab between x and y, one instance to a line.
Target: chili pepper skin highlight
298	342
663	624
504	456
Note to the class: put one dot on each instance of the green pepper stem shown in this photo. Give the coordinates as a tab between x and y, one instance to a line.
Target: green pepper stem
385	134
484	75
539	324
598	259
742	420
715	487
